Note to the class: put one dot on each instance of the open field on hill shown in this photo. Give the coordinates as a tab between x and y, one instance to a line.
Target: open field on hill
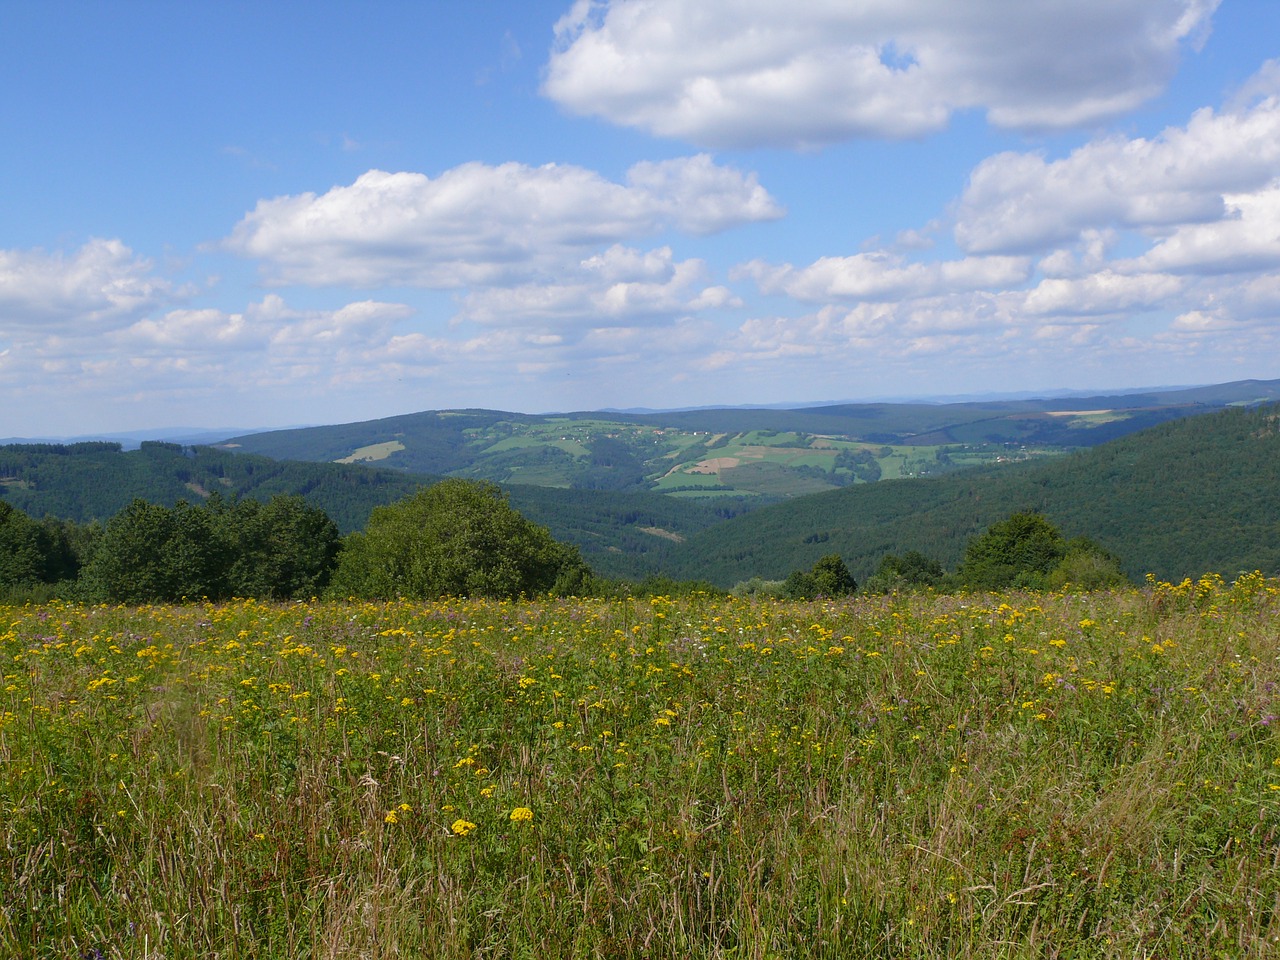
913	776
771	464
763	454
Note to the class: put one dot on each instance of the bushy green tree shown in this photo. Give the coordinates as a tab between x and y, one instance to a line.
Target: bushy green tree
1016	552
39	558
153	553
68	547
911	571
829	577
283	549
1027	551
456	538
1086	566
22	557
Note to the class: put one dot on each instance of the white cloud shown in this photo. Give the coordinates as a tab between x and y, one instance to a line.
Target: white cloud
270	326
1104	292
103	283
206	328
484	225
617	287
1020	202
884	276
1247	238
1090	254
724	73
182	352
1153	251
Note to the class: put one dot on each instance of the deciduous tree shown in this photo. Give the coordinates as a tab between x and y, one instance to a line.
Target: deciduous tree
456	538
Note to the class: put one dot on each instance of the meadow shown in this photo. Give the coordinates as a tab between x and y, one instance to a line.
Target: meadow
1020	775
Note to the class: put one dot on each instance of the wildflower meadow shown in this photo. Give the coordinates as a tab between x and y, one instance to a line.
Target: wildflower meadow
1014	775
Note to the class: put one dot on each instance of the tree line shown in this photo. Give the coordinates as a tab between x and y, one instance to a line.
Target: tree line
454	538
1182	499
1023	552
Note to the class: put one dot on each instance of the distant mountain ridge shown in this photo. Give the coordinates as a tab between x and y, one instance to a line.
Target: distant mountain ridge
1193	494
1188	497
762	453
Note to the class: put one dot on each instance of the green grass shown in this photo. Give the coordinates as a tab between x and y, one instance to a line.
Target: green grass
539	475
915	776
680	479
778	451
703	494
771	479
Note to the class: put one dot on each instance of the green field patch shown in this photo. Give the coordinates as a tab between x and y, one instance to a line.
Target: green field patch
684	478
540	475
709	493
373	452
771	438
811	458
568	445
907	462
513	443
1093	418
771	479
664	534
681	442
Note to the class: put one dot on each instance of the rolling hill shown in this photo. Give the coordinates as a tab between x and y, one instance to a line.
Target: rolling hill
1191	495
620	534
1184	498
764	454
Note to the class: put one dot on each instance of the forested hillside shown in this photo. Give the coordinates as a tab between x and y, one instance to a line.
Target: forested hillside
95	481
617	532
1181	499
763	454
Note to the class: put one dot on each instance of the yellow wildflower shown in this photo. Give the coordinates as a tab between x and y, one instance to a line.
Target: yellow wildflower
521	814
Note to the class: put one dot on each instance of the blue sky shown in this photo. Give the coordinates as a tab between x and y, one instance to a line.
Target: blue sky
263	214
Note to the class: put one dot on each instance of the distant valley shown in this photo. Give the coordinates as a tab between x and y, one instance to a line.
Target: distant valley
764	455
1177	483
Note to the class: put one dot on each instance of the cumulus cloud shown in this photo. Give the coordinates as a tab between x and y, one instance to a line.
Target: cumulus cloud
732	73
884	337
102	283
270	327
1157	251
1104	292
1020	202
1246	238
481	224
879	275
620	285
267	344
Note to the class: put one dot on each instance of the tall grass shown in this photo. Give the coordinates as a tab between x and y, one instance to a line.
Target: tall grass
914	776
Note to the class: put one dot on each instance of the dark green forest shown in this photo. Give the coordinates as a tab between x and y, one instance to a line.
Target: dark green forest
87	482
1184	498
1181	499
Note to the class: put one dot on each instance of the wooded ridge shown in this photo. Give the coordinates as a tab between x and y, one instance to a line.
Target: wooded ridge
1190	496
